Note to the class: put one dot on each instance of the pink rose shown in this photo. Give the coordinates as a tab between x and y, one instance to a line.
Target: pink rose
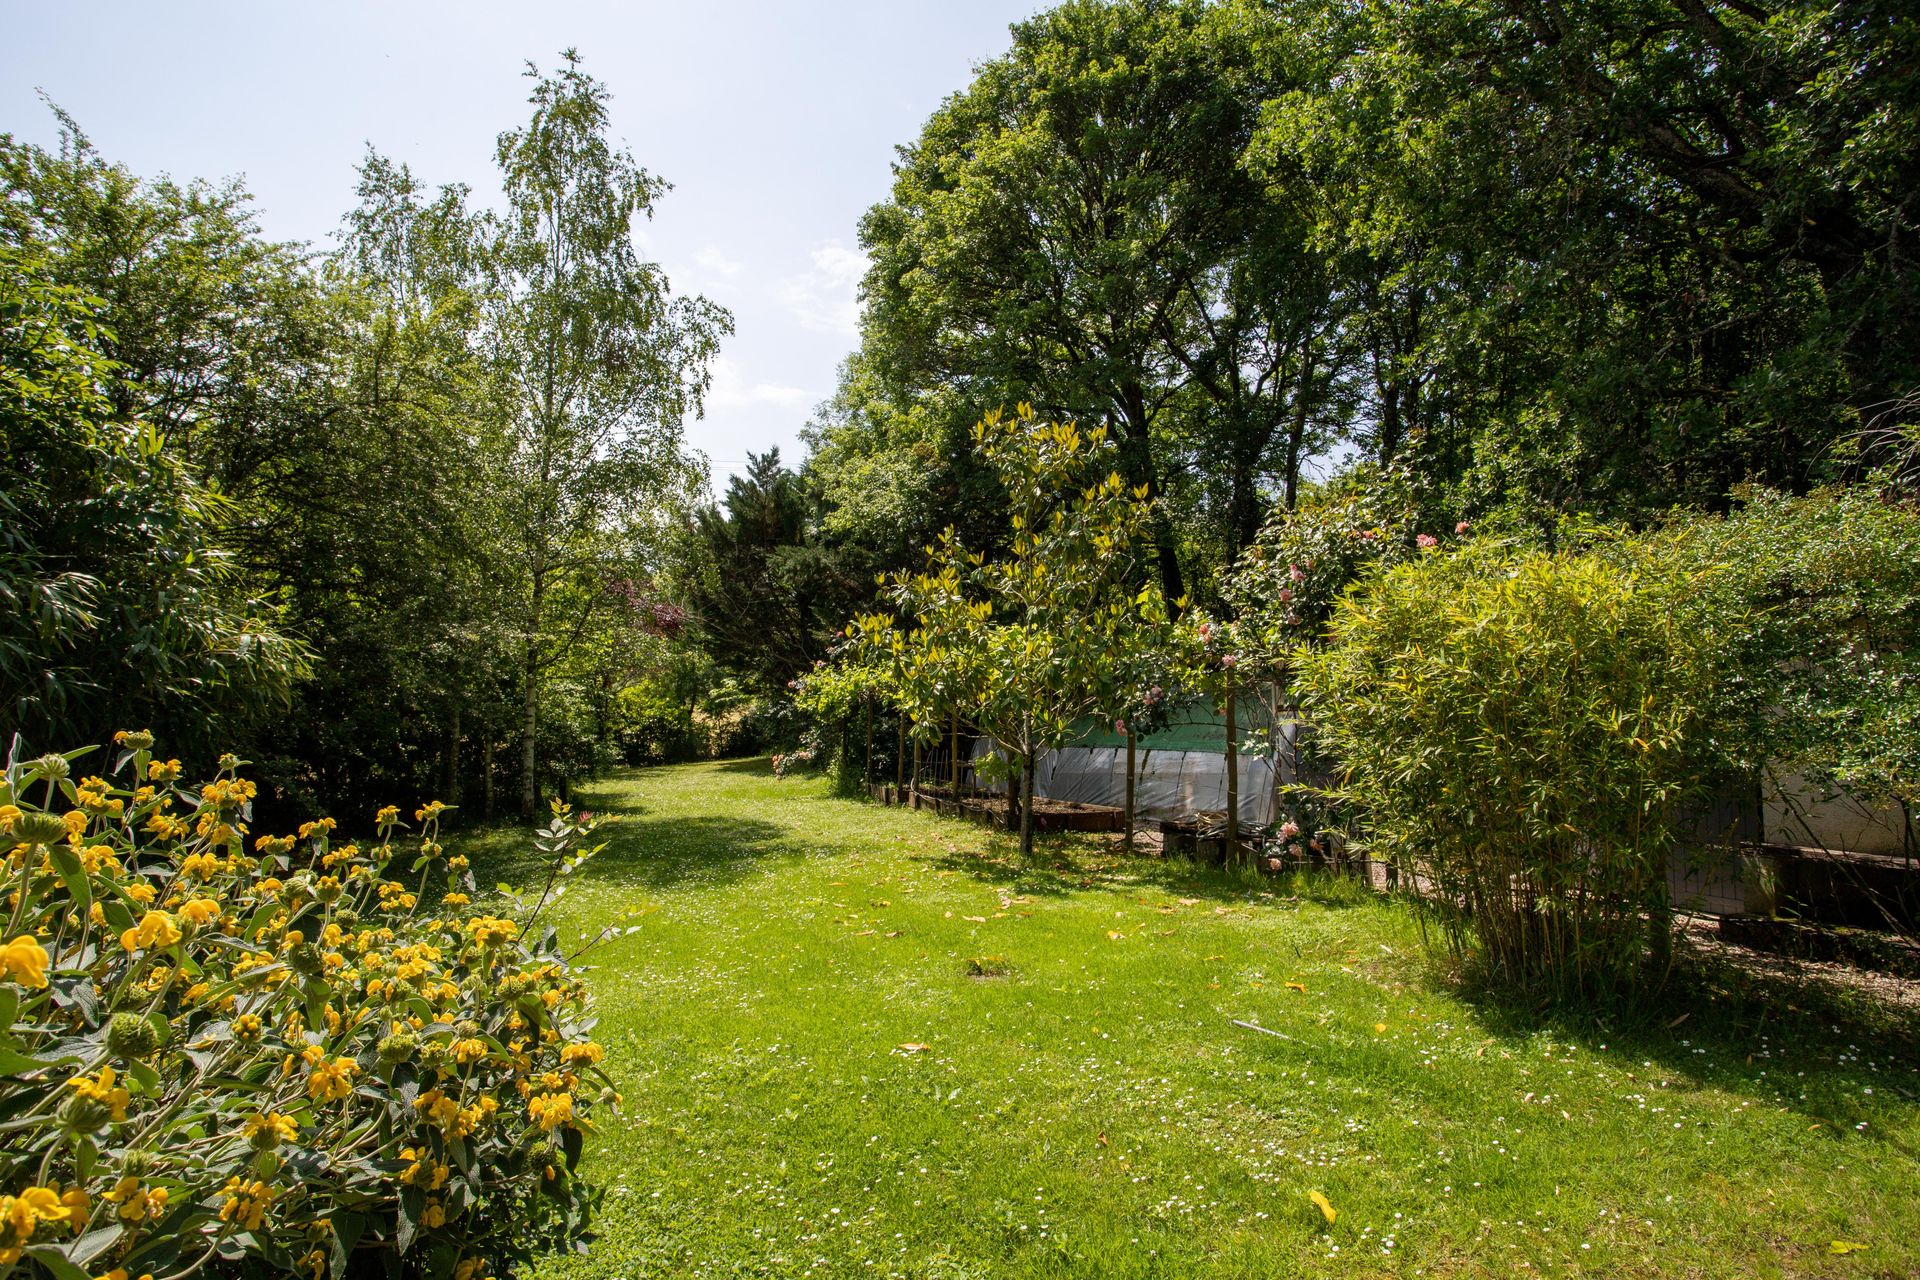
1273	864
1288	830
1228	660
1427	540
1119	726
1296	573
1285	595
1462	527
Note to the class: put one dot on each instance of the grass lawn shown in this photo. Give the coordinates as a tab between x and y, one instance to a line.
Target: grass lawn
1084	1105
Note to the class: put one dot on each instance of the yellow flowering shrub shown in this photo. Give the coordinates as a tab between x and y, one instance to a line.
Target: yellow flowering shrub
224	1051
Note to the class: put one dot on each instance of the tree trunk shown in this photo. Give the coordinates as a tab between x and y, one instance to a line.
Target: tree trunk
913	783
1026	805
866	772
1233	787
953	765
486	778
900	759
450	783
529	727
1130	776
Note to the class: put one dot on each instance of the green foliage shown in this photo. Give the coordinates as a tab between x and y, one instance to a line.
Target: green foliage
1027	644
1076	229
1517	729
1817	604
117	595
215	1060
452	445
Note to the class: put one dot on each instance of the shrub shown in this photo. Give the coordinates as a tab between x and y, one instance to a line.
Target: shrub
1516	728
229	1056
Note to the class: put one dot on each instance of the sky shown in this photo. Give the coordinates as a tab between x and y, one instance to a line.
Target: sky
775	122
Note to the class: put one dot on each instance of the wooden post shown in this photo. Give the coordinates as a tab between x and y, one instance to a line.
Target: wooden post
913	783
1130	788
900	761
1233	786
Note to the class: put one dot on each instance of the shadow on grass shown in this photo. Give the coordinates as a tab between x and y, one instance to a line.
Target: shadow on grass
759	766
1795	1040
655	854
1064	864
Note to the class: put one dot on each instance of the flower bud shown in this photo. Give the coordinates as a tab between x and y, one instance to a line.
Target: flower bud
131	1036
52	766
39	828
398	1047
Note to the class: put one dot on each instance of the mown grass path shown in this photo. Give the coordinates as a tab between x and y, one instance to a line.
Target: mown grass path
1084	1106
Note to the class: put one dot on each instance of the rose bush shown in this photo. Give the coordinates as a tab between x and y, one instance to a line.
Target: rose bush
223	1051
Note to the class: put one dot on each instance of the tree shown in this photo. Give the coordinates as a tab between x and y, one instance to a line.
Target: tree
119	605
767	593
1031	643
601	363
1076	229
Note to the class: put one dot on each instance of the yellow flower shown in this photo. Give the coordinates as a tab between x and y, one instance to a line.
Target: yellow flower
201	911
101	1088
586	1053
331	1079
551	1110
268	1130
140	891
24	961
389	814
434	1216
134	1202
199	866
246	1027
469	1051
442	1111
491	931
156	929
246	1203
9	814
168	772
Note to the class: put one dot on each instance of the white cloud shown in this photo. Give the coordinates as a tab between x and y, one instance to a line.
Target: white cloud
732	390
825	298
711	259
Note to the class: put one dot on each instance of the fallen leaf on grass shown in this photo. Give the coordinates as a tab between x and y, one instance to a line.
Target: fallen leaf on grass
1325	1205
894	934
1682	1018
1115	935
1301	987
864	933
1189	902
914	1046
975	919
1379	1028
1845	1246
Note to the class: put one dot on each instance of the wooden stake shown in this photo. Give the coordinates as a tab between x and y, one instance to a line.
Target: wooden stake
1233	786
1130	776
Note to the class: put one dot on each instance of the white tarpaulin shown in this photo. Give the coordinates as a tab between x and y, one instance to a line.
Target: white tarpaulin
1167	784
